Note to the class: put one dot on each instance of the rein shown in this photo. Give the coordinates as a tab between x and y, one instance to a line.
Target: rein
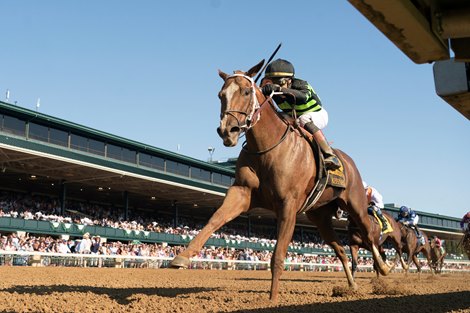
254	116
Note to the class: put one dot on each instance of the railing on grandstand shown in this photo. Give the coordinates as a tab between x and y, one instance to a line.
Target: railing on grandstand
41	259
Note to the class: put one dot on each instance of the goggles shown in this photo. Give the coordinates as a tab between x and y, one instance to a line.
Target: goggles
280	80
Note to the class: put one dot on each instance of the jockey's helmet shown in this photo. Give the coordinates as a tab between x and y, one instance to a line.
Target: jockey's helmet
468	214
404	210
279	68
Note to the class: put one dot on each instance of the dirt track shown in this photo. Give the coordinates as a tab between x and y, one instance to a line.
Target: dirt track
151	290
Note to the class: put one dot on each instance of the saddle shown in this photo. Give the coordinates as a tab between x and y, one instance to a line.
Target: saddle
325	177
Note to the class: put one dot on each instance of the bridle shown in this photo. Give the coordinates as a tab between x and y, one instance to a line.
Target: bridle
253	116
255	106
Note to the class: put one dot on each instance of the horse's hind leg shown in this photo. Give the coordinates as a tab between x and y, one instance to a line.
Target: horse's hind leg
236	202
354	249
321	217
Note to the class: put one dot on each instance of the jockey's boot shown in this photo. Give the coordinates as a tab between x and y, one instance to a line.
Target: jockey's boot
331	160
382	220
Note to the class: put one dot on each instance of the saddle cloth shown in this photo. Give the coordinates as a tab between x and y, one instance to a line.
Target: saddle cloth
389	225
336	177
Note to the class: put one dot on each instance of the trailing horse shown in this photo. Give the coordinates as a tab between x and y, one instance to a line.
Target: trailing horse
394	237
276	170
437	257
412	247
466	242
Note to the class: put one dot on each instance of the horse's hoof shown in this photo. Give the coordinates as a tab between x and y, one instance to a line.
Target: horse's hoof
180	262
354	287
385	269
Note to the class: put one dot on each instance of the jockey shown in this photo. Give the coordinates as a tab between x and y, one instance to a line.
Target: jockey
375	201
465	220
408	217
299	96
438	243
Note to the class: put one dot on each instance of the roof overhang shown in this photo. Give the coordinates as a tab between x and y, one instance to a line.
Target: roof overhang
426	31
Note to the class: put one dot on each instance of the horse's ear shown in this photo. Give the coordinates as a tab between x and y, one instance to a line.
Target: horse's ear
255	69
223	75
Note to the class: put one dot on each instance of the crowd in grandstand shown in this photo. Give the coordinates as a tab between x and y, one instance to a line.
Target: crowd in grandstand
44	208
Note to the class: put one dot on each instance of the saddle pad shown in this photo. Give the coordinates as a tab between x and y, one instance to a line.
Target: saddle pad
336	178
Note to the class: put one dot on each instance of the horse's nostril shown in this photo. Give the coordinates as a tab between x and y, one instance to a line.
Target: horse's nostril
235	129
219	131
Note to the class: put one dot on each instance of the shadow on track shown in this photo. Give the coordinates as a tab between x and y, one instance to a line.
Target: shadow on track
436	303
120	295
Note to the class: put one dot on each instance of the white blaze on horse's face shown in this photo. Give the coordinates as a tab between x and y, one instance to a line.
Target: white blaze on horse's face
229	129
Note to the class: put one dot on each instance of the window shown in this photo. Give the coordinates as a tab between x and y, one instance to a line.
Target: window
14	126
81	143
171	166
114	152
221	179
78	142
38	132
183	169
151	161
198	173
129	155
96	147
58	137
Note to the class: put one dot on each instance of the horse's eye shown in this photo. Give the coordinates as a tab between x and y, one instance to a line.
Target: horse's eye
246	91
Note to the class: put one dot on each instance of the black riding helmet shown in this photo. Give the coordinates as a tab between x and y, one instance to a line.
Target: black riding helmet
279	68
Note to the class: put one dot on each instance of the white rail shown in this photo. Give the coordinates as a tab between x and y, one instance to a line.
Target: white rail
22	258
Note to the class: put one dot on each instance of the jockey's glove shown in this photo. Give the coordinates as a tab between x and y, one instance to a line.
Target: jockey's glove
270	88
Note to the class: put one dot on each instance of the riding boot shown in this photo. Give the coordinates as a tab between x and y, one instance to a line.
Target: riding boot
382	220
331	160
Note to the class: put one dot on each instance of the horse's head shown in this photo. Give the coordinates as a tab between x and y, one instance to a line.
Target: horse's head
238	104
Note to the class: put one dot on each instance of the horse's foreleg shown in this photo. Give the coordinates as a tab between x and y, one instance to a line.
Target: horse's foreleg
286	225
236	202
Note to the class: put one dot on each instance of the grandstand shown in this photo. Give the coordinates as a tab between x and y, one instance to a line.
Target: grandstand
44	156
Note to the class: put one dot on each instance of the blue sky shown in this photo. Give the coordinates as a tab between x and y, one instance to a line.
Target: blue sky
147	71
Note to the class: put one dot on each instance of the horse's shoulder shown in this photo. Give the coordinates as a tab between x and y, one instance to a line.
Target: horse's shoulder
245	175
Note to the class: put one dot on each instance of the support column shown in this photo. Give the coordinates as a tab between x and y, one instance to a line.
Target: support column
63	193
249	226
126	205
175	209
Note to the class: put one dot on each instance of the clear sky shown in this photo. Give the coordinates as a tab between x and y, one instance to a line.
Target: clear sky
147	71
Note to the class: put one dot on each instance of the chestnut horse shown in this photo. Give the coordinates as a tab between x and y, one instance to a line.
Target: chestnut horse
276	171
412	247
394	237
437	257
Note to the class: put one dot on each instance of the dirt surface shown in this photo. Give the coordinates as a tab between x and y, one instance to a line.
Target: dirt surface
28	289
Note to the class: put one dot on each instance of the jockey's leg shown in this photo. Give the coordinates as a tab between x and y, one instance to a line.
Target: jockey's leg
331	160
381	217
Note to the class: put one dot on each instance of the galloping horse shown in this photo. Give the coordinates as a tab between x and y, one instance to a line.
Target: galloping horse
276	170
437	257
356	241
466	242
412	247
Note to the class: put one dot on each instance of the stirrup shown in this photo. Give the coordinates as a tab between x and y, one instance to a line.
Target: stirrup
332	162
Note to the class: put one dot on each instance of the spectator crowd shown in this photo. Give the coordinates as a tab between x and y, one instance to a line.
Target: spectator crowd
18	205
